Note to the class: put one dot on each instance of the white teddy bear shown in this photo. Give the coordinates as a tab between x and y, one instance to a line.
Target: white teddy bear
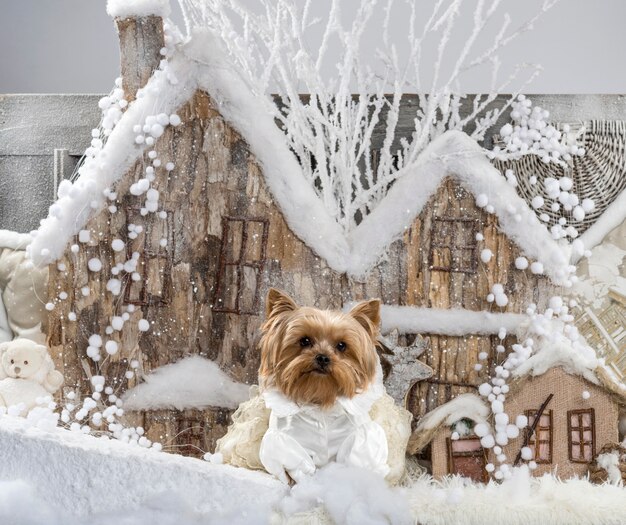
26	373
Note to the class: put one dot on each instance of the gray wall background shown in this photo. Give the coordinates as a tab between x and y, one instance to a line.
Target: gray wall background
70	46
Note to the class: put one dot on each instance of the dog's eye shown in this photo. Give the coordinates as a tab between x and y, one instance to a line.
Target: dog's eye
305	341
25	362
341	346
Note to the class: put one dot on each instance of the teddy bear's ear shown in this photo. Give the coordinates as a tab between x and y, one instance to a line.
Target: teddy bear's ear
4	347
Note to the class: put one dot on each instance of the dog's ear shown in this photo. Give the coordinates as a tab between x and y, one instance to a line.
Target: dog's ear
367	313
278	302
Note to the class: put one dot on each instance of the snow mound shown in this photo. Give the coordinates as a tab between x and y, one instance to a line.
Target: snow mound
519	500
193	382
350	496
72	478
132	8
68	478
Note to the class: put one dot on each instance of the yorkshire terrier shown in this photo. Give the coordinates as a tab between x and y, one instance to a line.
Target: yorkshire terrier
319	373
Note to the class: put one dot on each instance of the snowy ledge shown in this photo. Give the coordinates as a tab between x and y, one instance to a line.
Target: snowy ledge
130	8
411	320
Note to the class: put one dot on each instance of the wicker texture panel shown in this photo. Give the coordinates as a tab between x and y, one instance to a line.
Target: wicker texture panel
599	175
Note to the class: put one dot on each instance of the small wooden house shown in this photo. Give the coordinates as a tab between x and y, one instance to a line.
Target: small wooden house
235	217
569	420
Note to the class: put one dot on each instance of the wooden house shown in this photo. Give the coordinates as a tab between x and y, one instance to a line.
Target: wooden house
233	221
570	418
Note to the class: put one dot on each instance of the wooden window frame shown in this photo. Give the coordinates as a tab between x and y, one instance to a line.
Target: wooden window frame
533	443
454	249
240	264
481	453
581	431
145	298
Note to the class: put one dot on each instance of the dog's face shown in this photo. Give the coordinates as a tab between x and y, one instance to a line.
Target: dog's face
314	356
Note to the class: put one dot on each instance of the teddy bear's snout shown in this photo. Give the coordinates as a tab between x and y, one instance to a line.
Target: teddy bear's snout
17	369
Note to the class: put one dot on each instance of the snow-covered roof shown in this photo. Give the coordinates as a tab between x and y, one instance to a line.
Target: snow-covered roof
464	406
193	382
201	63
554	349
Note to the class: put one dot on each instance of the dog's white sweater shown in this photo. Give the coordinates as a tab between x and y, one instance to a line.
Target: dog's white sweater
302	438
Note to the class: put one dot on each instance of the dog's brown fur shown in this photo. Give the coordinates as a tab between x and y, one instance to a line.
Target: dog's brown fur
290	365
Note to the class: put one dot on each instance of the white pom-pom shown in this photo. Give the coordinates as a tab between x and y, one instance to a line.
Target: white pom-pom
481	429
118	245
143	325
487	441
512	431
521	421
84	236
482	200
95	340
502	300
586	394
111	347
527	453
537	202
536	268
175	120
94	264
566	183
484	389
486	255
588	205
156	130
521	263
578	213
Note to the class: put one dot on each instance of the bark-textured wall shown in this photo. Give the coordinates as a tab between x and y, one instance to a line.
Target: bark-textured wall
226	243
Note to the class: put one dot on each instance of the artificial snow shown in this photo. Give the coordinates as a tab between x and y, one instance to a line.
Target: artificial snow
193	382
612	217
202	63
453	321
14	240
463	406
67	478
455	155
138	8
610	461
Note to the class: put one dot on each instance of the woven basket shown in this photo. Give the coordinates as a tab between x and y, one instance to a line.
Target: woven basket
599	175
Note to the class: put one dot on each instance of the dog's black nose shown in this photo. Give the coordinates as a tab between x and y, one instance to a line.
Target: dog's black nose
322	360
